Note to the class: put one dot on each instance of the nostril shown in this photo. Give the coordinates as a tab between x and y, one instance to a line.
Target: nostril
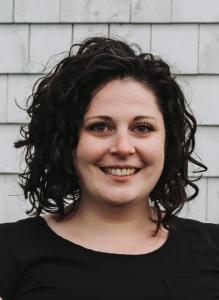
122	150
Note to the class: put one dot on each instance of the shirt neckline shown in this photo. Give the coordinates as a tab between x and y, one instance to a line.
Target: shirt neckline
95	252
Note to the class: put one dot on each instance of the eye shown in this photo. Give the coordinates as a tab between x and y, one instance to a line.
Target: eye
99	127
142	128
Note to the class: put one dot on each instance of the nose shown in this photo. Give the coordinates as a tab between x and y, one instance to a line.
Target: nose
122	145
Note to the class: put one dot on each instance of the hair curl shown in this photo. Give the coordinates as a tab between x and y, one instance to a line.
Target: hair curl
58	104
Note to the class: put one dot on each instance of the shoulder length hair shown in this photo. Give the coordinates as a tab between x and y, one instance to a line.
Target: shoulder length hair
56	109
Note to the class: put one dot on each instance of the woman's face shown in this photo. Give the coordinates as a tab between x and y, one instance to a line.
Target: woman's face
120	153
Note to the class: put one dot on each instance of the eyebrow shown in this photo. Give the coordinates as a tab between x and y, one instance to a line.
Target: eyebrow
107	118
138	118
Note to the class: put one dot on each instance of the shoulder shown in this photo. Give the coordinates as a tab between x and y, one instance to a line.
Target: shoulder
197	225
15	241
199	231
15	232
18	225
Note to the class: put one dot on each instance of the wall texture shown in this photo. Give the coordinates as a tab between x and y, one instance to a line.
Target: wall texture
184	32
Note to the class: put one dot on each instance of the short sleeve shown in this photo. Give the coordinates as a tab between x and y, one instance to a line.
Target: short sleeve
213	233
7	272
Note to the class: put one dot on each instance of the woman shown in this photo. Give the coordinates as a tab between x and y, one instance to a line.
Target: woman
107	153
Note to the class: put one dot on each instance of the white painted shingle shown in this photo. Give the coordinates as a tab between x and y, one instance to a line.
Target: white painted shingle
195	11
6	11
83	31
133	33
207	148
19	89
12	203
203	94
3	98
178	44
47	41
213	200
196	208
95	11
209	48
36	11
148	11
9	157
14	48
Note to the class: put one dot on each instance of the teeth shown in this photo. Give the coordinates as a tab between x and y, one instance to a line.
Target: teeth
132	171
120	172
124	172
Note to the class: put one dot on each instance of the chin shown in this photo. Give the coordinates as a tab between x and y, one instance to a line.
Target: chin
119	200
119	203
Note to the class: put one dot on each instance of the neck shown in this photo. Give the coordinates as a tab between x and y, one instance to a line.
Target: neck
124	229
104	218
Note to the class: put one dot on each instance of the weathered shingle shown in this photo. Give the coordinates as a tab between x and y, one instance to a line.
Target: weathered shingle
36	11
195	11
95	11
147	11
209	49
3	98
178	44
14	48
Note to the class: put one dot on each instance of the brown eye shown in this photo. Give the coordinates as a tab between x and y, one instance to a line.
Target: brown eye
99	127
143	128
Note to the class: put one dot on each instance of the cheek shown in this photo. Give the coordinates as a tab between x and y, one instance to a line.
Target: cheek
154	152
155	161
87	153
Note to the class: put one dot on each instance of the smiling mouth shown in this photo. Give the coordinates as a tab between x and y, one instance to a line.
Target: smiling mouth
120	172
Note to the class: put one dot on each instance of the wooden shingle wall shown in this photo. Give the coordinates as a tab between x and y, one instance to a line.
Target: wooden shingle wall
184	32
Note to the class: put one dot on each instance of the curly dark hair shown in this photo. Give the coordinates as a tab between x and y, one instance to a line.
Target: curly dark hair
61	99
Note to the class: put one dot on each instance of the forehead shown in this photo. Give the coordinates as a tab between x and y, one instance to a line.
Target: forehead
123	97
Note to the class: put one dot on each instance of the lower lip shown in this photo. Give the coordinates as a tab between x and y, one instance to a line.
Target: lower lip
120	178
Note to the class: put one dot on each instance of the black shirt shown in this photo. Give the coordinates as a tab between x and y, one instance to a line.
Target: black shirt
36	263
